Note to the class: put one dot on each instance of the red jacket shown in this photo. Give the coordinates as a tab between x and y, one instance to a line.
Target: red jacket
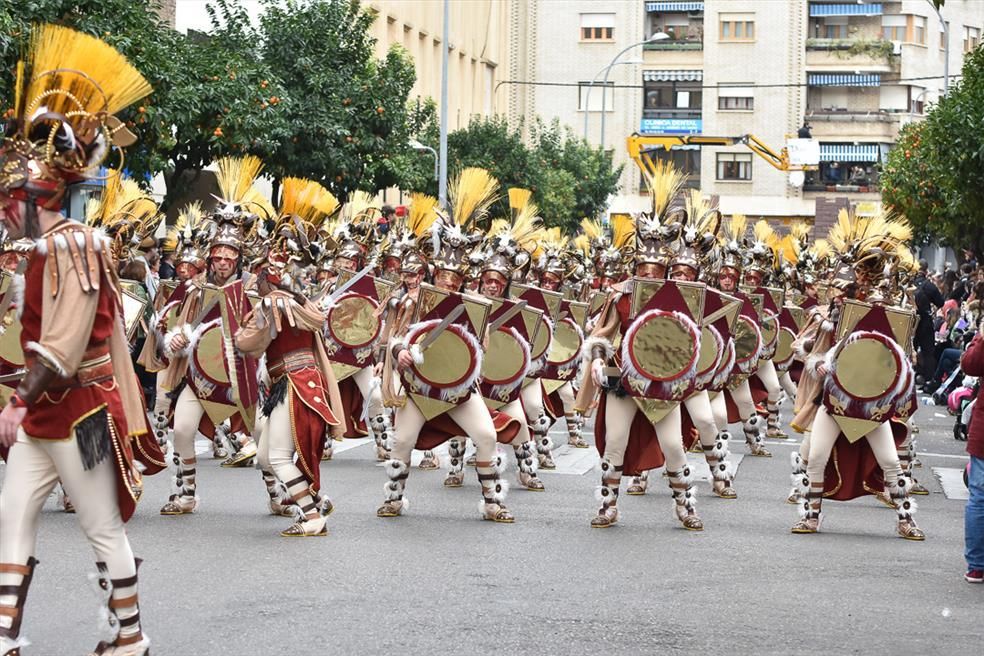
972	364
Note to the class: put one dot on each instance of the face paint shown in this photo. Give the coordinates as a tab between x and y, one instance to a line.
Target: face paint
12	215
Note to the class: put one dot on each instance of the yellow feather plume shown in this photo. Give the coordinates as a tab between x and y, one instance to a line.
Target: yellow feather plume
188	221
763	232
821	249
236	177
590	229
583	243
306	199
734	228
259	204
623	231
122	200
788	249
518	197
360	207
422	214
471	195
663	182
799	230
96	77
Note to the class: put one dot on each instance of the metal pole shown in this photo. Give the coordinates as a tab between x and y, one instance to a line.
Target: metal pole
946	48
587	98
442	184
604	87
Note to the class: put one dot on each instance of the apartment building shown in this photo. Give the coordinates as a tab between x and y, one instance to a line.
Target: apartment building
856	72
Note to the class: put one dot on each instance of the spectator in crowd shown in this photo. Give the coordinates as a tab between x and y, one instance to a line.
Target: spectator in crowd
387	213
167	270
972	364
961	290
927	297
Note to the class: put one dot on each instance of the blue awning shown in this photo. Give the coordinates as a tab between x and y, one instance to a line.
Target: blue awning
843	79
873	9
674	6
835	152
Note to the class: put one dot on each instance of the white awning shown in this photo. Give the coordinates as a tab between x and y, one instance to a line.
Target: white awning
725	91
674	6
843	79
873	9
836	152
669	76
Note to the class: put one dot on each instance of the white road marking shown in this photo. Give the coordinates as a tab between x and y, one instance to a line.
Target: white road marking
348	444
951	479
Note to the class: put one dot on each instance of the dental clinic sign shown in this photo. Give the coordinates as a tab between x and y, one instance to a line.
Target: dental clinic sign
671	126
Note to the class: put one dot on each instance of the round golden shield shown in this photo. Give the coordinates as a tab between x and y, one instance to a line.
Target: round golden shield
746	339
708	351
448	361
352	321
566	343
770	330
784	347
210	357
10	346
505	360
541	343
868	367
662	347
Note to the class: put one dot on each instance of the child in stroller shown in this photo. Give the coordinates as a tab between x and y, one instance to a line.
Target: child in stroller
960	403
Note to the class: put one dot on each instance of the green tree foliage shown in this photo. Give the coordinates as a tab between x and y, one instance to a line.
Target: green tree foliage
569	179
212	95
935	175
348	111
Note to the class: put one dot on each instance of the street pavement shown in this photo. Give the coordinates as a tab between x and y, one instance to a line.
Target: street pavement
440	581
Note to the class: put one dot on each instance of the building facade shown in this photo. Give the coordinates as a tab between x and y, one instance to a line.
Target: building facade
856	72
479	56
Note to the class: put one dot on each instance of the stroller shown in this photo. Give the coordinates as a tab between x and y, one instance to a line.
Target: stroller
961	404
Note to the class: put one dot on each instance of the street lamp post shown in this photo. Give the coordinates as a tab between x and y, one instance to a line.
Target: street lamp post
945	28
594	80
421	148
442	184
658	36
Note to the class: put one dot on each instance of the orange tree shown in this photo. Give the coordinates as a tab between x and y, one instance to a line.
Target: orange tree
935	174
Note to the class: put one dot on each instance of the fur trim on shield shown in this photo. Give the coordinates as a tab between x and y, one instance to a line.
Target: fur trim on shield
48	357
750	365
448	393
886	401
589	345
536	367
723	372
702	381
668	390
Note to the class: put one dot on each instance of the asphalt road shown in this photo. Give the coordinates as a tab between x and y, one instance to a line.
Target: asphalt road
440	581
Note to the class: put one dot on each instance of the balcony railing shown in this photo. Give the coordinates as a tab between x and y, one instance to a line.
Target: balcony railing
859	46
853	116
671	44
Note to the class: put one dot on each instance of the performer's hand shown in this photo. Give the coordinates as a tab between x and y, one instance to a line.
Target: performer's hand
178	343
378	369
822	370
598	372
404	360
10	421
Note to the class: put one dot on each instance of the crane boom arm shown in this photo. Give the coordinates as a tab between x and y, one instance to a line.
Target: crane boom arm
640	145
